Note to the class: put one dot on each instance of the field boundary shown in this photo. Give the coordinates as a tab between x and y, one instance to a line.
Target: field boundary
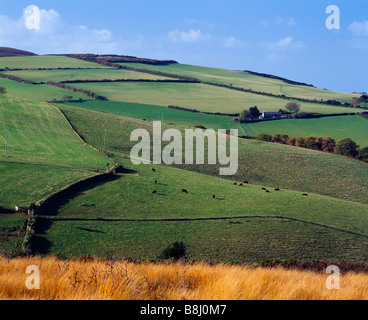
57	218
80	138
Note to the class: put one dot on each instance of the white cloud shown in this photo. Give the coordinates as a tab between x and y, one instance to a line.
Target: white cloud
56	36
359	28
190	36
285	44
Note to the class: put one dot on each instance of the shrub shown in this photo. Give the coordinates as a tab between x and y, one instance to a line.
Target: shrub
280	138
347	147
264	137
328	144
313	143
2	90
175	251
363	154
300	142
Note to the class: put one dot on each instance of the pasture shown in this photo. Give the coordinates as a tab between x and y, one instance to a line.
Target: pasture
196	96
262	163
37	93
123	218
51	61
82	74
246	80
132	216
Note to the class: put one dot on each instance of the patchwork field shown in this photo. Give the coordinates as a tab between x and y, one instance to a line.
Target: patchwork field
122	217
261	163
36	62
246	80
37	93
82	74
40	153
200	97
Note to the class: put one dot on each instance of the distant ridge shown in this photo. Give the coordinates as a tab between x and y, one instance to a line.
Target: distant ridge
120	59
11	52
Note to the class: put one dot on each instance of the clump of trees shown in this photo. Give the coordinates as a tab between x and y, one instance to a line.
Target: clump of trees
2	90
248	115
346	147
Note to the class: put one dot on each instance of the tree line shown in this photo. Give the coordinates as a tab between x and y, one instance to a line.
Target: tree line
346	147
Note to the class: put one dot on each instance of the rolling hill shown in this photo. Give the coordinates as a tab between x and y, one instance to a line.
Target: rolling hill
11	52
122	217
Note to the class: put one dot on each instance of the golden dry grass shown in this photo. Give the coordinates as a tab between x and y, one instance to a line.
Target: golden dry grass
97	279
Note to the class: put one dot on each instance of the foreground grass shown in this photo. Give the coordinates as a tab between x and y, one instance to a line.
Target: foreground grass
94	279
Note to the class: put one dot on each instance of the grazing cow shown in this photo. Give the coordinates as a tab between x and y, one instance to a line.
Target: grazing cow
267	191
153	169
263	188
154	192
213	196
305	194
241	184
235	184
184	191
246	182
277	189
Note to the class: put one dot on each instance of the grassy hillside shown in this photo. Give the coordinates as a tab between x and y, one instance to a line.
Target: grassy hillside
261	163
81	74
35	62
151	113
197	96
339	128
37	93
43	153
246	80
123	218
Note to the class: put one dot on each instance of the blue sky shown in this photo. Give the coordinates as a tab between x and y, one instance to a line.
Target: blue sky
287	38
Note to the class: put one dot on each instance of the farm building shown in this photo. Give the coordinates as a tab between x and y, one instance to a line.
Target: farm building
271	115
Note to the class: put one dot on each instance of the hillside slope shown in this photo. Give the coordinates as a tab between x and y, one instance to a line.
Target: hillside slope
11	52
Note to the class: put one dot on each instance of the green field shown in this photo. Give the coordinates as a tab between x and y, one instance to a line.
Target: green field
116	218
83	74
35	62
341	127
261	163
43	153
246	80
37	93
153	113
197	96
